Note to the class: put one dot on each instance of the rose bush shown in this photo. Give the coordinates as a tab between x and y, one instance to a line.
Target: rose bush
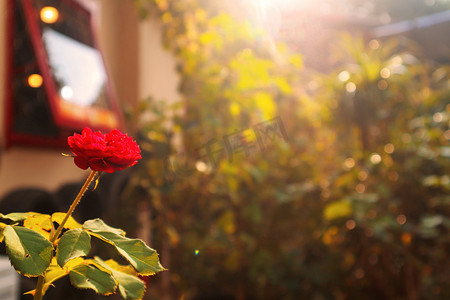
114	151
36	248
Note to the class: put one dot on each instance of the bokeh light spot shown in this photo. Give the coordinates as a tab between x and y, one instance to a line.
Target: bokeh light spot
406	238
375	158
438	117
382	84
350	224
359	273
385	73
401	219
344	76
389	148
35	80
349	163
66	92
374	44
49	14
360	188
363	175
350	87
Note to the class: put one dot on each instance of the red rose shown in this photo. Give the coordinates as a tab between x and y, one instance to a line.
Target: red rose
111	152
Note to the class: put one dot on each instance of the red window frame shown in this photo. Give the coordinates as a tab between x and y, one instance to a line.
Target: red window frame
67	117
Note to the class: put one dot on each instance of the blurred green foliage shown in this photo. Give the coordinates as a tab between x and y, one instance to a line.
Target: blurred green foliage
353	205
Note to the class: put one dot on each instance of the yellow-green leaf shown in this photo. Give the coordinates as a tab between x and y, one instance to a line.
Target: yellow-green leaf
74	243
338	209
53	273
143	258
17	217
29	251
130	286
99	225
87	276
40	223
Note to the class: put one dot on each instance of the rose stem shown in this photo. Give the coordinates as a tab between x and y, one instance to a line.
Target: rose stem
39	293
40	283
74	204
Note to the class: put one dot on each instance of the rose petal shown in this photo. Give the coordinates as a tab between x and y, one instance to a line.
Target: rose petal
81	163
108	153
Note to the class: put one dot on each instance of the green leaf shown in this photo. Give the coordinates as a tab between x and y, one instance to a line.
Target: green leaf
74	243
130	286
29	251
86	276
99	225
143	258
17	217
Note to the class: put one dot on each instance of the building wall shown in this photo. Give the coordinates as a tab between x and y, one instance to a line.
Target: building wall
2	73
118	40
157	73
139	67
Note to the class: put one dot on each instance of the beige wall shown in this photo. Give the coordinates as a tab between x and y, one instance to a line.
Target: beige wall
2	73
118	37
137	61
157	73
139	67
